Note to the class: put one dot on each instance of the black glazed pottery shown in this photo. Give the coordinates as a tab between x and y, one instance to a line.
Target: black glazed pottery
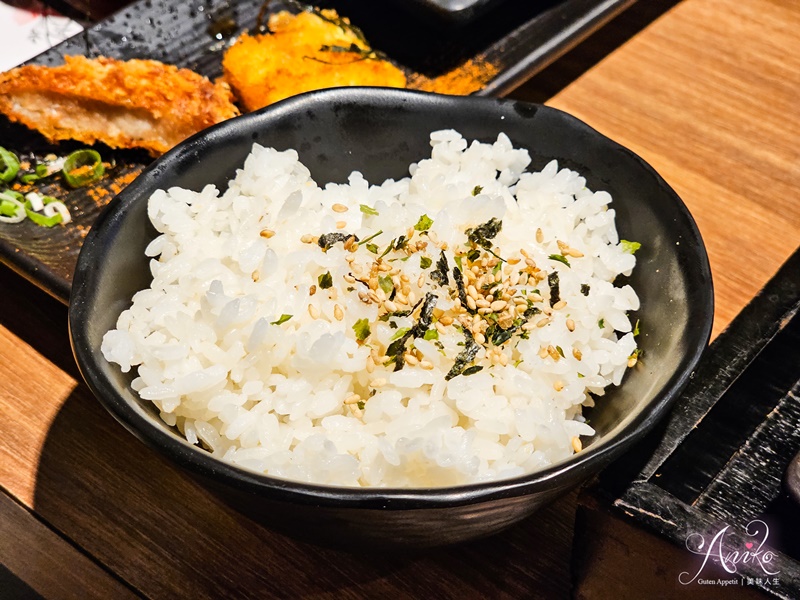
380	132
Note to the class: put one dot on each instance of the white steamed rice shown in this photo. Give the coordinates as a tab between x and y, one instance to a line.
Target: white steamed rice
303	398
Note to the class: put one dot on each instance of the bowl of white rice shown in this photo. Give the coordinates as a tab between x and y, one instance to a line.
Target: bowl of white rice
382	316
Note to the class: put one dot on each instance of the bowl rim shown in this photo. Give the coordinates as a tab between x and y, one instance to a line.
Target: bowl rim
202	463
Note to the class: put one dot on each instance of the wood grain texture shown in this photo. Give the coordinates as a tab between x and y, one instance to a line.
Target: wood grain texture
702	89
51	566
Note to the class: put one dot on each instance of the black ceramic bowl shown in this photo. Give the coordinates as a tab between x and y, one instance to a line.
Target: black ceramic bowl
380	132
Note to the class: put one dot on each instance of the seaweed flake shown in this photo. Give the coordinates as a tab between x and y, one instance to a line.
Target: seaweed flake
396	349
462	292
327	240
481	234
439	275
555	294
466	356
585	289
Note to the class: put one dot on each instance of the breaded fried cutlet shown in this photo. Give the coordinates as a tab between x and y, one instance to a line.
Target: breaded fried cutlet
303	52
125	104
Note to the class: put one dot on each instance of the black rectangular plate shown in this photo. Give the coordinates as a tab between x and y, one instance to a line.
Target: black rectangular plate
518	39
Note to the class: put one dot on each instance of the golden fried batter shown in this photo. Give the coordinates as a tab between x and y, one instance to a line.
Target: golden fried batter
304	52
125	104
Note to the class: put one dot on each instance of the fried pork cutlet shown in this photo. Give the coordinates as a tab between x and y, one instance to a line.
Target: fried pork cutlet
303	52
125	104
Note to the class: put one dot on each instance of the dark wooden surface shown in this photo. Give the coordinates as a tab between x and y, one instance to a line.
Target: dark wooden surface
704	90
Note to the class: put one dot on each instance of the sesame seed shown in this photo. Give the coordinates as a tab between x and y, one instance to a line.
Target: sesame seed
341	224
421	281
577	353
338	312
513	261
473	292
373	296
543	322
553	353
378	383
558	386
370	364
350	258
570	324
576	444
307	238
542	352
559	305
339	208
401	299
312	290
446	320
348	243
539	235
574	253
313	311
267	233
471	303
482	303
443	246
412	297
562	245
498	305
352	399
390	306
406	289
528	326
484	311
411	359
530	262
349	278
632	362
503	359
520	309
440	328
535	297
424	364
480	338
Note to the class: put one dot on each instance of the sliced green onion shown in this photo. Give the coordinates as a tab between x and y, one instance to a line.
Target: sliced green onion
53	207
29	178
11	209
9	163
54	217
83	167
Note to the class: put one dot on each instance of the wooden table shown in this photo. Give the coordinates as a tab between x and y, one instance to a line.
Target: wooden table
704	90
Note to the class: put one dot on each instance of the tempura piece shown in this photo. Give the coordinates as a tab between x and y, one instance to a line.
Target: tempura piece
308	51
125	104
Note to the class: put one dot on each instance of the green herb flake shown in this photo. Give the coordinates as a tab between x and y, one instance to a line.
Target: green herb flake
325	280
431	334
496	268
477	190
560	258
372	237
560	351
458	262
601	323
401	332
372	248
361	328
424	223
368	210
517	362
282	320
581	376
629	247
636	328
425	262
385	283
361	404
